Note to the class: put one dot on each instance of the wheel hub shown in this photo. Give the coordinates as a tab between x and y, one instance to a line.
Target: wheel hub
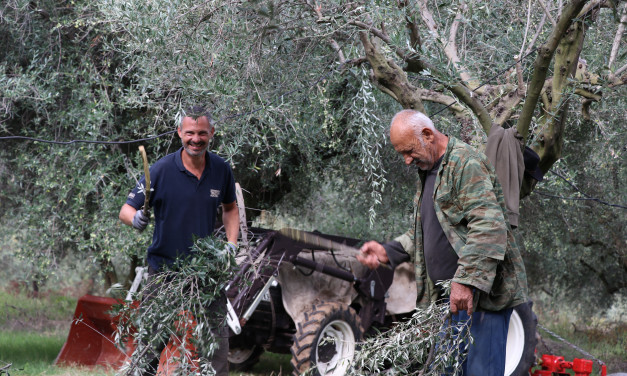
335	348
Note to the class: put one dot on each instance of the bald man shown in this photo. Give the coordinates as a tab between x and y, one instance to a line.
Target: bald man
459	234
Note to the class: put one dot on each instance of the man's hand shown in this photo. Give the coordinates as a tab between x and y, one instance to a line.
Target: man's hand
372	254
231	247
461	298
140	221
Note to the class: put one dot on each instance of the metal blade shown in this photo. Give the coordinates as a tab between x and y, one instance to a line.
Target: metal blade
147	175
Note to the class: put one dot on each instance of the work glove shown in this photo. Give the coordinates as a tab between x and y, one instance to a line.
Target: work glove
140	221
231	248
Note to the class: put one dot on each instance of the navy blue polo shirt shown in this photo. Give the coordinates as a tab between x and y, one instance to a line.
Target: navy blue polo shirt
182	205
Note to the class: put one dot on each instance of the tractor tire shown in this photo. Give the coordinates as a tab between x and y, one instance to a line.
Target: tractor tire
243	359
521	341
326	341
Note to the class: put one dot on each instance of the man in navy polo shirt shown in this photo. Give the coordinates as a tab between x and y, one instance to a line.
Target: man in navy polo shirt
186	189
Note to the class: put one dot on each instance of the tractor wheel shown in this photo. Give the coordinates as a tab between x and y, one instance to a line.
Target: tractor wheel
243	359
521	341
326	340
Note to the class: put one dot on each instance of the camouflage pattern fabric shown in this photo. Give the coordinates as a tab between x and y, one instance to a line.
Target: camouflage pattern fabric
469	205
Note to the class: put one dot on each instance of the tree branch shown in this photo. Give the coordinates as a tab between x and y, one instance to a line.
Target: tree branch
547	13
617	38
338	50
450	45
618	81
620	70
588	94
535	36
414	36
385	73
506	105
437	97
522	47
593	4
381	35
541	65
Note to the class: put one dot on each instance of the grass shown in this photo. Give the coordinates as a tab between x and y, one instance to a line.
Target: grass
604	339
22	311
32	353
25	347
608	344
269	365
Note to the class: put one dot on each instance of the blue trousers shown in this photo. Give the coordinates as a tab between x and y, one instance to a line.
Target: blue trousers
486	355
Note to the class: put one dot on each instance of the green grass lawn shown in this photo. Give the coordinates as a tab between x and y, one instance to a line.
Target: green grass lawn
32	353
29	353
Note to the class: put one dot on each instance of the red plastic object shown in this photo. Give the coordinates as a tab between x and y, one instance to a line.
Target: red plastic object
91	339
552	364
180	339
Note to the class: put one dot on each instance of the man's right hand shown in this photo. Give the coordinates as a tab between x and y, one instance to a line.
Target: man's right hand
140	221
372	254
461	298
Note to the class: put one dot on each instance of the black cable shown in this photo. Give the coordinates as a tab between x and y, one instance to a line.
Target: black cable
307	274
591	198
580	199
569	183
86	141
338	263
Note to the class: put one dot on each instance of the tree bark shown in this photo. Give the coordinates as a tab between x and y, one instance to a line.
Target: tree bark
541	65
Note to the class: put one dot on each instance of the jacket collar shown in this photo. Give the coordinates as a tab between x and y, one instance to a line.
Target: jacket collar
452	142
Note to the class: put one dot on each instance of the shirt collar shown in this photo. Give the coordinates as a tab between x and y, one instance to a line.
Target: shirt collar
179	161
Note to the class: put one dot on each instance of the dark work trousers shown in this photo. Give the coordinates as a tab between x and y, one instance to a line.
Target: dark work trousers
219	360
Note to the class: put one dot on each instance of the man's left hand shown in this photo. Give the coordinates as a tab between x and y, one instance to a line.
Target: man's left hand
461	298
231	247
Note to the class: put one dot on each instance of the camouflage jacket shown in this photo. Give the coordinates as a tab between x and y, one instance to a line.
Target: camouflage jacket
469	205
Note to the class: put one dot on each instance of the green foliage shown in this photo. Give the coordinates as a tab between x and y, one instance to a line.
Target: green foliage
57	86
174	299
418	346
582	238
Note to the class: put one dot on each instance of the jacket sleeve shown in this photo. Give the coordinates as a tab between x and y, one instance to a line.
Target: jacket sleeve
504	151
486	229
395	252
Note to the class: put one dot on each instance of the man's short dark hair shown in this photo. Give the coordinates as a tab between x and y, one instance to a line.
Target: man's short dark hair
195	112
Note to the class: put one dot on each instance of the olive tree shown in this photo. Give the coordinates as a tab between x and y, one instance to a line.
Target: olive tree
302	92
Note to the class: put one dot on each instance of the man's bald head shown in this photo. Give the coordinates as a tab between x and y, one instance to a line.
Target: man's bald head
414	137
410	120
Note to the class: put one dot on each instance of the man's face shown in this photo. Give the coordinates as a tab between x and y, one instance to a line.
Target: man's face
414	149
195	135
